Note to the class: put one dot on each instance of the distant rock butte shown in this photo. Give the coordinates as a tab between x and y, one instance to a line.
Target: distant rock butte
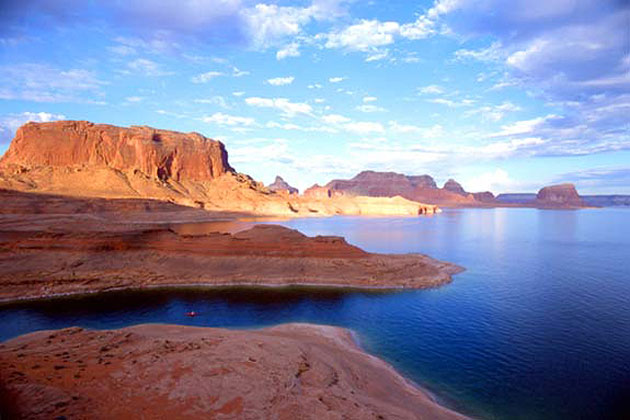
83	159
280	185
421	188
454	186
561	195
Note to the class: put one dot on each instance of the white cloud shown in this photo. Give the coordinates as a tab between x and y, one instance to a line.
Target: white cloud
451	103
335	119
369	35
229	120
367	99
491	53
236	72
146	67
287	107
206	77
238	93
336	79
377	55
497	181
134	99
45	83
431	90
281	81
289	50
493	112
213	100
364	36
522	127
368	108
364	127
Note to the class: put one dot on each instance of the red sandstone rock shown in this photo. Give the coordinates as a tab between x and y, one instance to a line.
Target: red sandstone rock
484	197
159	154
454	186
40	261
420	188
562	195
81	159
292	371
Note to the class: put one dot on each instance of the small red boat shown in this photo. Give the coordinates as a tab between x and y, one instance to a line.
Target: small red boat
192	314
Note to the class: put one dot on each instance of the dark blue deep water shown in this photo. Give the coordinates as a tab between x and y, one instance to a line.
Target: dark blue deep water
537	327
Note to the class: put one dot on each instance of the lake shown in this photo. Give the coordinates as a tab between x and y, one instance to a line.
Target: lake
538	326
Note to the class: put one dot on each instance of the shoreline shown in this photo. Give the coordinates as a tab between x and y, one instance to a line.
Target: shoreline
217	286
336	347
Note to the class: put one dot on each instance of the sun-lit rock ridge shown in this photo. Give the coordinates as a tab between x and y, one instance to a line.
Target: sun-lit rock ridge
83	159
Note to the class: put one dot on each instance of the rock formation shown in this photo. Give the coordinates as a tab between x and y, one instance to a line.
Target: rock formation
159	154
291	371
553	196
280	185
421	188
561	195
82	159
39	260
454	186
484	197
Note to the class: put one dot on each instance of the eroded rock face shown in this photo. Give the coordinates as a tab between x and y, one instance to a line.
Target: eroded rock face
454	186
421	188
382	184
280	185
484	197
561	195
82	159
159	154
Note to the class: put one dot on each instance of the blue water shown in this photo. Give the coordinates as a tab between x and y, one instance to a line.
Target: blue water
537	327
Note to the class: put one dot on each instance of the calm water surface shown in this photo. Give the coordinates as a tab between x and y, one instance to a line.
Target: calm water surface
537	327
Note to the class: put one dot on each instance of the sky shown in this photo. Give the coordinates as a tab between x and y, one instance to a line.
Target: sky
505	96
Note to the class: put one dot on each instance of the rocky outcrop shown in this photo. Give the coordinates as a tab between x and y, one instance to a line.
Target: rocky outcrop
421	188
454	187
318	192
291	371
561	195
381	184
484	197
82	159
280	185
38	261
159	154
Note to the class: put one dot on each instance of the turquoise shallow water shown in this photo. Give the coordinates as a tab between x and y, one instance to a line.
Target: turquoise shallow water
537	327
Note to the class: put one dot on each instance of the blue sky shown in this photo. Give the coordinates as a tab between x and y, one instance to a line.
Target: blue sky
500	95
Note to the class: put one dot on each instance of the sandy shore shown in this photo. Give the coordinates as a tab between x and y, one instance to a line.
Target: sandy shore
165	371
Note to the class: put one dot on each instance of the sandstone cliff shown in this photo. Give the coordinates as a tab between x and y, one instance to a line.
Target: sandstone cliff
83	159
